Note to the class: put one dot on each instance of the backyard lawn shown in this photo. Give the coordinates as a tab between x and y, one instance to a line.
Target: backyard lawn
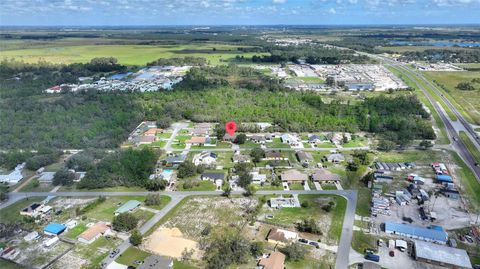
76	231
131	255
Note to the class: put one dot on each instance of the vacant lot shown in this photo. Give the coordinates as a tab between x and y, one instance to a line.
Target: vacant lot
330	222
126	54
468	102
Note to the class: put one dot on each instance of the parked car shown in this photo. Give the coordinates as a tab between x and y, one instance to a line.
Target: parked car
372	257
315	244
407	219
301	240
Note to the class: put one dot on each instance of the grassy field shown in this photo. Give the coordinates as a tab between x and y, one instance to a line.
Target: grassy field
10	265
471	187
98	250
470	146
311	79
202	186
105	211
131	255
277	143
11	213
467	102
361	241
126	54
76	231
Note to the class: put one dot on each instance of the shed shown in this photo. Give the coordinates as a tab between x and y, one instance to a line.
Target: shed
127	207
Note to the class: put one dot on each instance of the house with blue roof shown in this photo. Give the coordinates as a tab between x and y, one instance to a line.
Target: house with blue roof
436	235
54	229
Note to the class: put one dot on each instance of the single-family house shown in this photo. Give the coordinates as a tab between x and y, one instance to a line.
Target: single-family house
276	260
334	158
280	236
175	159
230	138
197	140
46	176
290	139
293	176
13	177
273	155
303	157
152	131
31	236
200	131
33	210
258	178
315	139
128	207
259	139
205	158
323	175
70	224
94	232
213	176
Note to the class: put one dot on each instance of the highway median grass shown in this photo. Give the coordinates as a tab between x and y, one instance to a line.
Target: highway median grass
470	146
469	182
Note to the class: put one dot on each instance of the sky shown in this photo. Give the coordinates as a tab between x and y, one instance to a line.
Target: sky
237	12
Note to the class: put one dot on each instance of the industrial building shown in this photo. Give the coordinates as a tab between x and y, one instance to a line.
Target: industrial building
434	234
441	255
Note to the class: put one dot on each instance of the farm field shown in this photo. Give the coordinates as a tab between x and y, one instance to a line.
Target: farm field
126	54
467	102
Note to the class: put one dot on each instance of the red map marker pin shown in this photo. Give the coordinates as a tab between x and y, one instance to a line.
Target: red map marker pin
231	127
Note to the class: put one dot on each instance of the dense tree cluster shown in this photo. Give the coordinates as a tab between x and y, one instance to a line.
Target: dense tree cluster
447	55
125	167
312	53
63	177
124	222
179	61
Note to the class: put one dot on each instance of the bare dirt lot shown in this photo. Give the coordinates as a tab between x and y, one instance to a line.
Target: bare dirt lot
170	242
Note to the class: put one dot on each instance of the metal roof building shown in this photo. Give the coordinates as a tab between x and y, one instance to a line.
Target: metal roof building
442	255
54	228
416	232
127	207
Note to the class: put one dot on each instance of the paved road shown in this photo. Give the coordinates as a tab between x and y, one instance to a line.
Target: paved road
282	149
146	226
458	144
343	246
176	128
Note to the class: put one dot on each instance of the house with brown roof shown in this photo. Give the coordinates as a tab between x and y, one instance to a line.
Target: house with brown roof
273	155
293	176
153	131
322	175
197	140
94	232
280	236
276	260
303	157
146	139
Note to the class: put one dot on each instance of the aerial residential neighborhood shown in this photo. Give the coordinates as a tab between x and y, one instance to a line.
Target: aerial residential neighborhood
268	134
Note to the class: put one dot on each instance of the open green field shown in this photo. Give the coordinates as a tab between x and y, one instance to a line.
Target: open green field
126	54
105	211
76	231
467	102
311	79
402	49
131	255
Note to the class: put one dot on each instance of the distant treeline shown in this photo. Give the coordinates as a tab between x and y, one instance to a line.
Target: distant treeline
103	120
446	55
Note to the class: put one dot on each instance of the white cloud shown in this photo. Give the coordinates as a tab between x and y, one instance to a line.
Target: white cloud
279	1
332	11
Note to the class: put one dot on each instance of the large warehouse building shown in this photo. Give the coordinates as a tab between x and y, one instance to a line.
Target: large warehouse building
441	255
436	234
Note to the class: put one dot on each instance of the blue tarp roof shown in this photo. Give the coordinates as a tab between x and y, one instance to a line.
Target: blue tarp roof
433	234
54	228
